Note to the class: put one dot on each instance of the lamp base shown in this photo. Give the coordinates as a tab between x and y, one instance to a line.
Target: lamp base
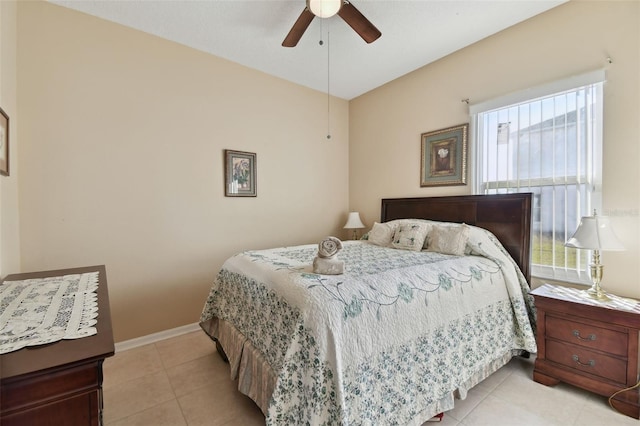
597	270
596	292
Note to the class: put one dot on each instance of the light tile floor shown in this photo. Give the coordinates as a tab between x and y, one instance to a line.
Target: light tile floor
182	381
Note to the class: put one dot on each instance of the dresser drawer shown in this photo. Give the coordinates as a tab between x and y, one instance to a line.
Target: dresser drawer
80	410
47	387
586	360
589	336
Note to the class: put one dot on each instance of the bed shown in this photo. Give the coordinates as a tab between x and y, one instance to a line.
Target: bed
397	337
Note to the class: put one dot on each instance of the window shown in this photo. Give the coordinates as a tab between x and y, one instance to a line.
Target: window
551	146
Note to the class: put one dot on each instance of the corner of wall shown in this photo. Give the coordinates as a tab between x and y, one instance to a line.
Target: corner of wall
9	221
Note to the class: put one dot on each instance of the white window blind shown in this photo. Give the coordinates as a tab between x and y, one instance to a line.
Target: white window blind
549	144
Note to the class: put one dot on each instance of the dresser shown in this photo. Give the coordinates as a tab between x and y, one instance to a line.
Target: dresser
59	383
588	344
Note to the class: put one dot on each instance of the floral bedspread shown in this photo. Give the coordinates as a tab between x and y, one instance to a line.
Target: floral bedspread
387	342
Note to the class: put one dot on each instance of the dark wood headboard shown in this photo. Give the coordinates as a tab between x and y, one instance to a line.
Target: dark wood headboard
507	216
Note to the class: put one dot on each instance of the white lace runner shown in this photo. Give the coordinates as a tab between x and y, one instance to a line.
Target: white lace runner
45	310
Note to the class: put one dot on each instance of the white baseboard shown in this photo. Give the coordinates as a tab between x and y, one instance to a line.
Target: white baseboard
156	337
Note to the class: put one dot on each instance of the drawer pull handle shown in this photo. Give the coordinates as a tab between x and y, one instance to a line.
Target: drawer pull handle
591	362
589	337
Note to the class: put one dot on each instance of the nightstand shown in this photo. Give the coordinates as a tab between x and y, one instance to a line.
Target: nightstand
588	344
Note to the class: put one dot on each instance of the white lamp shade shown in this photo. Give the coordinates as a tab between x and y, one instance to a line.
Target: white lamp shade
353	221
324	8
594	233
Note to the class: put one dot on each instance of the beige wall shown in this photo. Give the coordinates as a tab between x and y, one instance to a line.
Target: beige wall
122	134
9	222
122	142
385	124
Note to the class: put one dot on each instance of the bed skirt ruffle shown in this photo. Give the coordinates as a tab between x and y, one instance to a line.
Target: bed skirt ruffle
247	365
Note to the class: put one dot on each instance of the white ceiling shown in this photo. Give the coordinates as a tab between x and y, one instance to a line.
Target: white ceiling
414	33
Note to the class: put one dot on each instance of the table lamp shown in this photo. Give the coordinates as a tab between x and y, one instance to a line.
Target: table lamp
595	233
354	222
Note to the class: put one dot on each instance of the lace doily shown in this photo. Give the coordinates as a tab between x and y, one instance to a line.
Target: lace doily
45	310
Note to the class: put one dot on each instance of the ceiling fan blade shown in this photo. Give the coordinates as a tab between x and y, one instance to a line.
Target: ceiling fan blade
359	23
298	28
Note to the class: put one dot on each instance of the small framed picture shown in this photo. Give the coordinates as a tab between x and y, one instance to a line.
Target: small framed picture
444	157
240	173
4	143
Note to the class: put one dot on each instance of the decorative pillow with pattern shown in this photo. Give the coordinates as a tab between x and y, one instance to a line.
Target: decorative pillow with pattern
410	236
448	239
381	234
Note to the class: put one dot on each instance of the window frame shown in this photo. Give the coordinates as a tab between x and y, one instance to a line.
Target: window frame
580	274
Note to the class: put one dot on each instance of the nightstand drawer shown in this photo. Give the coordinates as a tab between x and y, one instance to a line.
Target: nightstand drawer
577	333
585	360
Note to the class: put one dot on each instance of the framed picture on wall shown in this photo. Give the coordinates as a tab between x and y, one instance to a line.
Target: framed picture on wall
240	173
4	143
444	156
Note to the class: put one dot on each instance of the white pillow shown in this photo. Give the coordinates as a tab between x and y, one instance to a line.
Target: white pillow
410	236
381	234
448	239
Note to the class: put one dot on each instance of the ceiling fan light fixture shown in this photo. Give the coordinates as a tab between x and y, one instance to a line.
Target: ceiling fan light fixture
324	8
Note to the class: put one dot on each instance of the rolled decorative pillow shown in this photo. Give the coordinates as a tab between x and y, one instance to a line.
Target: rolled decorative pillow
329	247
326	262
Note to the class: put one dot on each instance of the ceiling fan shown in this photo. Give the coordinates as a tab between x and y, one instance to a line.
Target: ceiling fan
326	9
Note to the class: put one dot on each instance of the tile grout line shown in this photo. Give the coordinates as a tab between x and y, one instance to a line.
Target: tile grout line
173	390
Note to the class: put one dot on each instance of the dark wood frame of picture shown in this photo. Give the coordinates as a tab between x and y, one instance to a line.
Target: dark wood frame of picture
239	173
4	143
444	156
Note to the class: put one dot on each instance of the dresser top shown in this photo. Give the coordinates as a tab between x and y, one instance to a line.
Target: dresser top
65	352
